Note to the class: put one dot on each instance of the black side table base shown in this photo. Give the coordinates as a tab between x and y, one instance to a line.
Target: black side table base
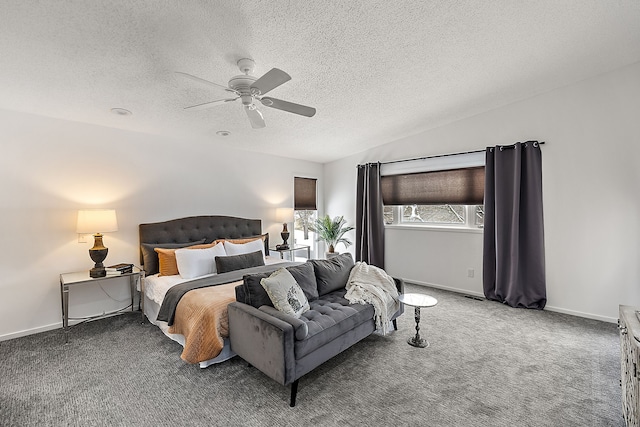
421	343
418	301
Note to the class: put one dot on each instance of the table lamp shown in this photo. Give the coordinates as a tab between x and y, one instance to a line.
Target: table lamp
284	214
96	222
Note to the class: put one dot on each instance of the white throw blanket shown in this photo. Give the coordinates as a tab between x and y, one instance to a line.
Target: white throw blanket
369	284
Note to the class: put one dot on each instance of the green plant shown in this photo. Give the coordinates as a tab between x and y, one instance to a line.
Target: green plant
331	231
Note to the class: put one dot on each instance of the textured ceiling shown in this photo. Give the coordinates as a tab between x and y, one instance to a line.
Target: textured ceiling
375	70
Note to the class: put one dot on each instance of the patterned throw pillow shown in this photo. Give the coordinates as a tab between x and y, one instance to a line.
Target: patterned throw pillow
285	293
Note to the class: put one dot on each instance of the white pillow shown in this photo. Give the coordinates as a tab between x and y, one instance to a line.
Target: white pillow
285	293
198	262
244	248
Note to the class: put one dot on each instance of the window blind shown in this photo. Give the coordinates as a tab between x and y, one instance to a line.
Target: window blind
304	194
463	186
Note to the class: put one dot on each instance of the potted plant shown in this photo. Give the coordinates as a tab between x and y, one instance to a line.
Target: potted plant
331	231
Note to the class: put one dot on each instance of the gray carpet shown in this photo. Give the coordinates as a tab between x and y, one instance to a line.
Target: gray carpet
488	365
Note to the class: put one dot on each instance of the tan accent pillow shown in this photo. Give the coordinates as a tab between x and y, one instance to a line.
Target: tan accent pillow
243	240
168	265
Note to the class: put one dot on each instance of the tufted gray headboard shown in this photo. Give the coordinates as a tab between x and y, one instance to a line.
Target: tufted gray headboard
196	228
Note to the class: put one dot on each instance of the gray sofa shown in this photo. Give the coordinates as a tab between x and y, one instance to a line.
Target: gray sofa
284	347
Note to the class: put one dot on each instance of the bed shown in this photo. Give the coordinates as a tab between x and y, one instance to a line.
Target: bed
187	305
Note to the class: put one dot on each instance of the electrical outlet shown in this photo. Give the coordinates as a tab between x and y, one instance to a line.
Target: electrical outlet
82	238
470	272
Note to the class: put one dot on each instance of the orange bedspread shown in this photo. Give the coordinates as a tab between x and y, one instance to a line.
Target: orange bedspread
201	316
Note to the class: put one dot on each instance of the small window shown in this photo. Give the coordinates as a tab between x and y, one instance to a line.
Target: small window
304	219
434	214
389	214
479	216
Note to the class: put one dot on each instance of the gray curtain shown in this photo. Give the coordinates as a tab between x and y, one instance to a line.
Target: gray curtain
513	261
369	216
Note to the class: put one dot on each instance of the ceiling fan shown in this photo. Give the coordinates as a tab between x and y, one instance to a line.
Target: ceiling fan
250	89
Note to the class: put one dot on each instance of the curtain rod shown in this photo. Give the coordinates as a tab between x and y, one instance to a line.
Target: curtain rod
450	154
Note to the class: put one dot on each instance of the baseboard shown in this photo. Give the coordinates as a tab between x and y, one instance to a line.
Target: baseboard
548	307
58	325
445	288
582	314
26	332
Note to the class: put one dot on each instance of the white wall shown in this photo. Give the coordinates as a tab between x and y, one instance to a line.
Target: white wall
591	190
50	168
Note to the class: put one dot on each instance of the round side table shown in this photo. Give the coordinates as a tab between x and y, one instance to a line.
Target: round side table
418	301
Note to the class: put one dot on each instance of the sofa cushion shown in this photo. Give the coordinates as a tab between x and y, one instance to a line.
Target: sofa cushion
299	326
332	274
329	317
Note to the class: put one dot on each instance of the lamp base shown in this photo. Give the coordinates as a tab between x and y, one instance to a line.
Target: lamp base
96	272
285	236
98	253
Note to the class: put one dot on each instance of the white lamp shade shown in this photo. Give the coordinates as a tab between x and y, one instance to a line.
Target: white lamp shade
284	214
97	221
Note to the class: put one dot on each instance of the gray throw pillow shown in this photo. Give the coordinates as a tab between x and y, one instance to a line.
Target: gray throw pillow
332	274
225	264
285	293
306	278
253	293
150	256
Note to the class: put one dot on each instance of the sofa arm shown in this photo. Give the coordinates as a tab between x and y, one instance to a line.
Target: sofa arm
300	327
264	341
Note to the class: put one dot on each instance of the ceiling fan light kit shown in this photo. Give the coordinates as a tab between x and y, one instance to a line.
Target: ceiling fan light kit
250	89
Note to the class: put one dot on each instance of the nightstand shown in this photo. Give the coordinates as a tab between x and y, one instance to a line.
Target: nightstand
291	250
80	278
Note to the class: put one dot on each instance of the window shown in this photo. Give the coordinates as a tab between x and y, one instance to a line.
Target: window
447	191
303	219
470	216
305	212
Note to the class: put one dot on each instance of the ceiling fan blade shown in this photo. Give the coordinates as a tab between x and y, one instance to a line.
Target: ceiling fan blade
255	117
274	78
210	104
205	82
291	107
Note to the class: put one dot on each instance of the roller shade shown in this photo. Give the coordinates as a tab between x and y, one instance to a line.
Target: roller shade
463	186
304	194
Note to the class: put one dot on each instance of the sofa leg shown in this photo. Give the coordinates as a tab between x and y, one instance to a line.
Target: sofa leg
395	324
294	391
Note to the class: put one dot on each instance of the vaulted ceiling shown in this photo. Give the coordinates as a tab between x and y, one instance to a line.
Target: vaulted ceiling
375	70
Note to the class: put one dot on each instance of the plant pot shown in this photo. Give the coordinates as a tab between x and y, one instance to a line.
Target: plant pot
331	254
